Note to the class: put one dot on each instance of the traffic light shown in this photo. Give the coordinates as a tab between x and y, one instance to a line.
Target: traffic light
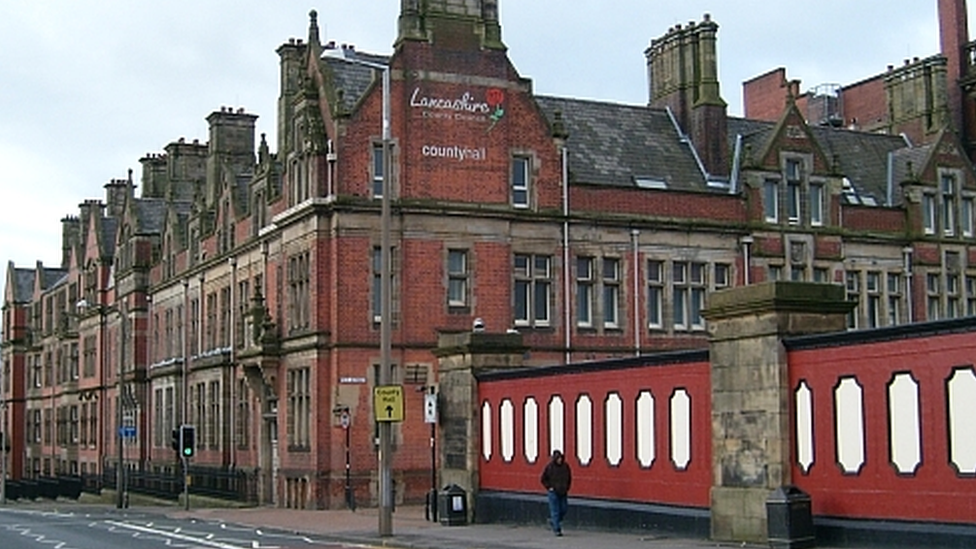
187	440
175	440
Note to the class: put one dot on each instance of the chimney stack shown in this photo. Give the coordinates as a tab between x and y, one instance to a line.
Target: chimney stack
682	71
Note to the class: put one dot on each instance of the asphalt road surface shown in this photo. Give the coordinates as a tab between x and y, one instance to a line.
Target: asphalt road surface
101	528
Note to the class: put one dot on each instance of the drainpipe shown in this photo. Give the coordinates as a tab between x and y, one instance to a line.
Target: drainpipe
567	316
746	259
890	196
638	328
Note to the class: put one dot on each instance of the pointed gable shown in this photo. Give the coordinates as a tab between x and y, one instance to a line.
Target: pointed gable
19	286
792	133
945	152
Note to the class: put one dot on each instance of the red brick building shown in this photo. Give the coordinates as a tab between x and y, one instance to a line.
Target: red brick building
240	290
918	99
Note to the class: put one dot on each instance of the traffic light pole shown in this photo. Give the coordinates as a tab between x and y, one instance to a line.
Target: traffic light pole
186	483
187	447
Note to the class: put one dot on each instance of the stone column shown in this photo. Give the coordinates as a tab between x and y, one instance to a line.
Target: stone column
461	357
751	394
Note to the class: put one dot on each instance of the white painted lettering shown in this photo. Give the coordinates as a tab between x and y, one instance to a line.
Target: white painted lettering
455	152
465	103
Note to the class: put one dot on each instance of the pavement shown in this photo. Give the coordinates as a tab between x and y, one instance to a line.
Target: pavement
412	531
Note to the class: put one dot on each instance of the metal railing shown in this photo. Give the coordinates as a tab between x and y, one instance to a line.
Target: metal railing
229	484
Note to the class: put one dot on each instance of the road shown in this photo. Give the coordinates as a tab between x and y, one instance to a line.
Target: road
100	528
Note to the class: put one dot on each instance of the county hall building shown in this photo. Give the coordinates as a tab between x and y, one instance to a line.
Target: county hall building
235	284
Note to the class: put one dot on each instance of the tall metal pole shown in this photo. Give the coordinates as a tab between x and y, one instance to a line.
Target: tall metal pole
119	416
186	388
386	304
350	499
4	435
386	291
433	472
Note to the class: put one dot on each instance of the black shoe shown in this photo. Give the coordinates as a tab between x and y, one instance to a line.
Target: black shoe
559	533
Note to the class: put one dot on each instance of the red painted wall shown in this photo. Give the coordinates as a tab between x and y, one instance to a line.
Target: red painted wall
661	483
935	492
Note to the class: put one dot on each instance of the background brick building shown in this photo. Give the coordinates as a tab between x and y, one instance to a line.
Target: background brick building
239	291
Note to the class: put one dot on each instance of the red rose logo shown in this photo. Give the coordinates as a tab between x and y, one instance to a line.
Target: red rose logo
495	97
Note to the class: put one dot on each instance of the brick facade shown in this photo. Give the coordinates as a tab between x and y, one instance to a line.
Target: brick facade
248	289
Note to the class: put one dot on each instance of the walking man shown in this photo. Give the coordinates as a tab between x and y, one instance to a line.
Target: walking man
557	478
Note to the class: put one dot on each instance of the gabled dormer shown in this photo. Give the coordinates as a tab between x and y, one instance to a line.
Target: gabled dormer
99	253
940	180
264	188
789	173
173	240
18	291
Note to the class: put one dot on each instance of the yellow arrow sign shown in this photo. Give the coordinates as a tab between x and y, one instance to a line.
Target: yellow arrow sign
388	403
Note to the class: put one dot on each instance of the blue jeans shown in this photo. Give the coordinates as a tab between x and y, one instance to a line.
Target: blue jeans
558	505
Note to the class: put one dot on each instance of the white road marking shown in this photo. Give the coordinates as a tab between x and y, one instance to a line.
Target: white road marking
176	535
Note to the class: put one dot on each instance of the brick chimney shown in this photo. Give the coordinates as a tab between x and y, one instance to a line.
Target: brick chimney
954	34
682	72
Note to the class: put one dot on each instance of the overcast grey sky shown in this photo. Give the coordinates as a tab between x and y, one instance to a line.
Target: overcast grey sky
88	87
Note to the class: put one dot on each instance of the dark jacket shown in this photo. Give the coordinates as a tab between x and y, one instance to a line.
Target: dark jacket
557	475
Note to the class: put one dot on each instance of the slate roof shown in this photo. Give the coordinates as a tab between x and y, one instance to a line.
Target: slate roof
614	144
150	215
917	156
23	285
51	277
351	78
109	228
861	157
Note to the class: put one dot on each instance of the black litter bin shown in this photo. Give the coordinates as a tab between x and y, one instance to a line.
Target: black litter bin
790	519
453	506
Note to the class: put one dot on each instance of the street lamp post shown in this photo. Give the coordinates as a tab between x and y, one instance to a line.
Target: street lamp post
120	502
102	310
386	305
386	289
4	435
184	380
